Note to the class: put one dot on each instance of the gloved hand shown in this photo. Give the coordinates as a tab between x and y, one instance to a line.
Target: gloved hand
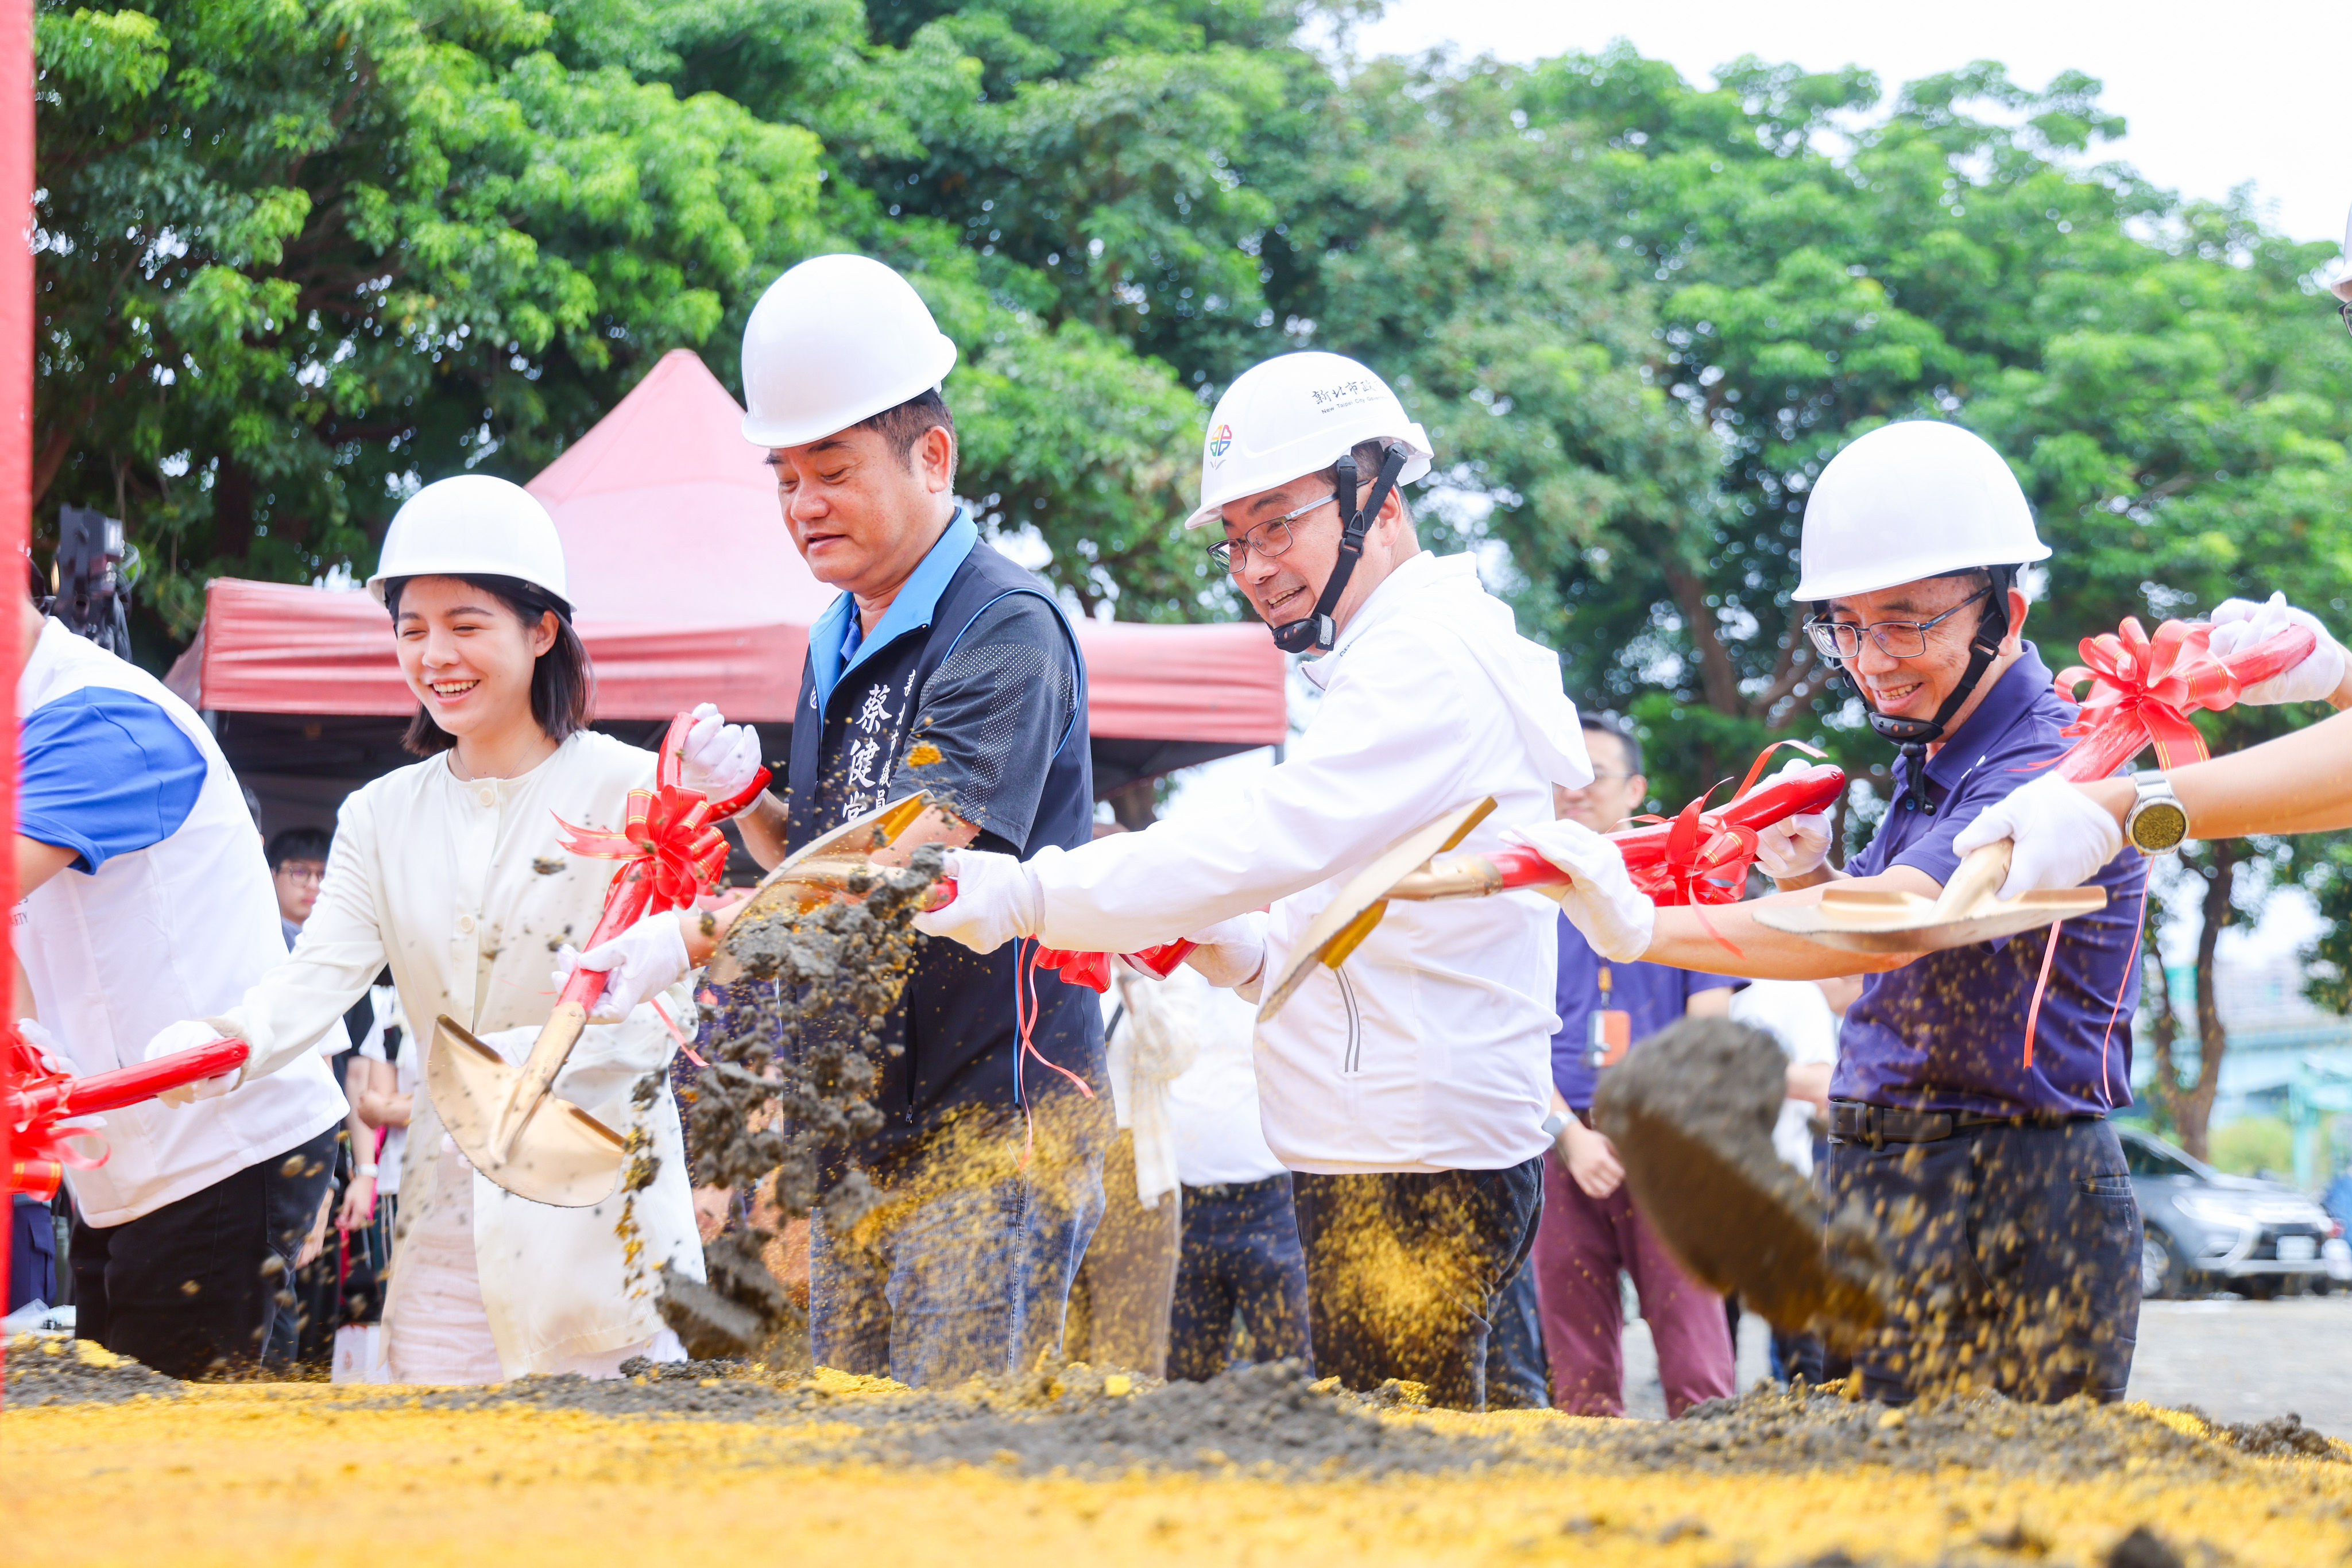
2241	623
719	759
2062	836
179	1036
995	900
1232	951
45	1048
645	960
1602	902
1793	846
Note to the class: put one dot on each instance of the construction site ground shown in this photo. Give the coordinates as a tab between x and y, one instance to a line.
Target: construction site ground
709	1467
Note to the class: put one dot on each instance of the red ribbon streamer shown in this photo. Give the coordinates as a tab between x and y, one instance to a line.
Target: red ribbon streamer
1703	856
2143	688
668	840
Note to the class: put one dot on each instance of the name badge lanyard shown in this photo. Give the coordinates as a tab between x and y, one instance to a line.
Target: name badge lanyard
1610	1030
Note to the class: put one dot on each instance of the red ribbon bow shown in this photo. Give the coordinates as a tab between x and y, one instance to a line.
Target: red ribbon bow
40	1151
2143	688
673	851
1704	855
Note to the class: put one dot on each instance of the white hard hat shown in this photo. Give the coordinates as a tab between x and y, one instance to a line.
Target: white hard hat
2342	283
1293	415
836	340
472	526
1910	501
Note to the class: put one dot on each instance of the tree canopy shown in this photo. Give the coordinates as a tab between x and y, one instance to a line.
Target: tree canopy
297	256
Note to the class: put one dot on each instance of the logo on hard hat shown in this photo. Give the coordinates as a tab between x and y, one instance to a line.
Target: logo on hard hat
1220	440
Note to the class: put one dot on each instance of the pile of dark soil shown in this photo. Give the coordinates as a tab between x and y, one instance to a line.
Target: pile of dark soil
2280	1437
47	1371
1797	1428
1270	1420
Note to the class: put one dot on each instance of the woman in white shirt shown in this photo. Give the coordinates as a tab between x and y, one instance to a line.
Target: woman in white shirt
451	871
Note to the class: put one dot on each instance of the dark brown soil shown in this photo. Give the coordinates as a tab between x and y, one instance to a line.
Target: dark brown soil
47	1371
1690	1111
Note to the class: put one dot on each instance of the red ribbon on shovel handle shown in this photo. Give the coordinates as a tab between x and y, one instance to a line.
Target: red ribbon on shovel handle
36	1099
2143	688
671	849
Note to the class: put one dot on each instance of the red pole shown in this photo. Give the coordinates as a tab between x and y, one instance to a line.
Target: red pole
15	489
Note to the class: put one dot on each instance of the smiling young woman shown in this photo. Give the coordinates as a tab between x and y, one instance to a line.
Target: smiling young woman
450	871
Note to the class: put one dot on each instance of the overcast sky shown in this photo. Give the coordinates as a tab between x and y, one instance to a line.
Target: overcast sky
2215	94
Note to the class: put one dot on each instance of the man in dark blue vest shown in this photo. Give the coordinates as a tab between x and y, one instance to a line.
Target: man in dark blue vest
937	638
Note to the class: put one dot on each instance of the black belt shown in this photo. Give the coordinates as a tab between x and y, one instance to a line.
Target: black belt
1851	1122
1217	1191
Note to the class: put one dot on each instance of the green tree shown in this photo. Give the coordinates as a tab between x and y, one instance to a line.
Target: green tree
295	256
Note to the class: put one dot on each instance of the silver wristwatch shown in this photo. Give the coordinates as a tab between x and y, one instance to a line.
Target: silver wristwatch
2156	823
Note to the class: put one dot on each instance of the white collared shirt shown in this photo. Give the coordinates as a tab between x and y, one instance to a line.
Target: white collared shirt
1430	1048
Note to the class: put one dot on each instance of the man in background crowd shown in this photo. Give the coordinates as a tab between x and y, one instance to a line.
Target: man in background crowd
1241	1277
1591	1229
298	864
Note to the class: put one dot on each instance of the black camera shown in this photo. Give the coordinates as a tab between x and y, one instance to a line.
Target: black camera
88	583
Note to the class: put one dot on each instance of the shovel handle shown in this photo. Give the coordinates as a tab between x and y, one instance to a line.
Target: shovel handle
133	1085
1978	877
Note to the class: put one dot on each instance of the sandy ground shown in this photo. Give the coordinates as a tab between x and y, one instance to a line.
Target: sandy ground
2237	1361
294	1477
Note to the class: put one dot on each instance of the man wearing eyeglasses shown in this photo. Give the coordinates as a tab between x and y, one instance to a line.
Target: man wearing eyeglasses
1968	1112
298	864
1407	1089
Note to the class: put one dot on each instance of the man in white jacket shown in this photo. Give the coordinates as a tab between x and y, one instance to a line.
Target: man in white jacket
146	898
1408	1088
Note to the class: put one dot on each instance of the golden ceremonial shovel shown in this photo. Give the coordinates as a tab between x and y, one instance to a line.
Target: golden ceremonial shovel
506	1120
824	871
1404	872
1872	920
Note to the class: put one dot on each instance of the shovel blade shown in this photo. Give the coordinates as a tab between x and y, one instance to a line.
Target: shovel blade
563	1156
1349	918
1920	929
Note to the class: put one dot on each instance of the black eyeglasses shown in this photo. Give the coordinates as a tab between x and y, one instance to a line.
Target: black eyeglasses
1269	539
1895	638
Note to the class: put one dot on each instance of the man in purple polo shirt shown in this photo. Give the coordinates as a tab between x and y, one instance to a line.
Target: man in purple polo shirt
1590	1228
1978	1147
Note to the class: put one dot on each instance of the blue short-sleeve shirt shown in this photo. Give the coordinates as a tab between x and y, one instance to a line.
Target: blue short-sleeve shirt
105	773
1947	1032
1653	993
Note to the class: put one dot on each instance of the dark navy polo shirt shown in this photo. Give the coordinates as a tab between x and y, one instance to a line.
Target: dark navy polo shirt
1653	993
1947	1032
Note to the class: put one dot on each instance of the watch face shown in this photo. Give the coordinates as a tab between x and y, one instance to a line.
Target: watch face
2158	827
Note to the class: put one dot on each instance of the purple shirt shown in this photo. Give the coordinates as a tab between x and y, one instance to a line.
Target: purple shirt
1653	993
1947	1032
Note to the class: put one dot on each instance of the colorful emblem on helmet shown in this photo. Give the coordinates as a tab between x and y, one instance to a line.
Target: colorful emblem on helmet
1220	439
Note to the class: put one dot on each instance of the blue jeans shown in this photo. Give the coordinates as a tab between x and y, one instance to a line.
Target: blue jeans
1518	1375
1240	1254
2016	1249
972	1280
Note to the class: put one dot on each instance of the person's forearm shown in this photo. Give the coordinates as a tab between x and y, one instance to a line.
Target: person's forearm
762	827
1728	939
2299	783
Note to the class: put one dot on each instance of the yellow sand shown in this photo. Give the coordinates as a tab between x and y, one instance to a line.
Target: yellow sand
291	1475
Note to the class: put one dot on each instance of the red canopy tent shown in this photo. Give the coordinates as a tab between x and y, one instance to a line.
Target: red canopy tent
687	588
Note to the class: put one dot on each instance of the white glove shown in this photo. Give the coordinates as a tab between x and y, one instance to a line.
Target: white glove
46	1049
1231	953
179	1036
995	900
2241	623
719	759
646	959
1794	846
2062	836
1601	901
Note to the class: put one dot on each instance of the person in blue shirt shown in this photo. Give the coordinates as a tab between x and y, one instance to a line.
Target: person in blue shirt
1591	1228
1968	1109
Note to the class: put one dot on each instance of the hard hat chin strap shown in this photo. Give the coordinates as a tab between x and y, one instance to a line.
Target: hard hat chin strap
1316	632
1915	735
